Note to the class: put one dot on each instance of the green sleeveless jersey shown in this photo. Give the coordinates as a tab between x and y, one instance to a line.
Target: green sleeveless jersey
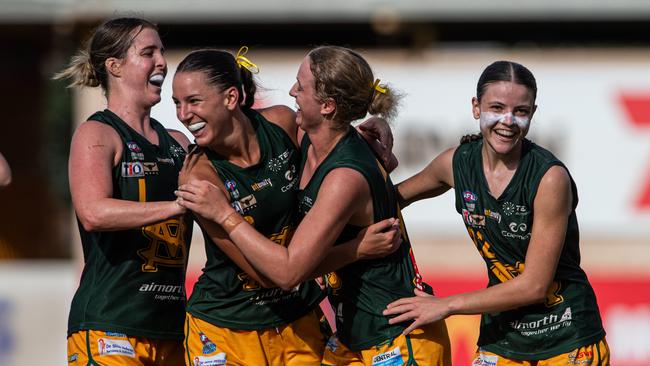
360	291
501	230
133	280
264	194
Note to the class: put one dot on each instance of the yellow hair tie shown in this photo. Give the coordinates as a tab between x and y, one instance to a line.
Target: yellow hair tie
378	87
244	62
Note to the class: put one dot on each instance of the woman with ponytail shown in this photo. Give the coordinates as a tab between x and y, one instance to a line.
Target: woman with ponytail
236	314
342	189
123	168
518	204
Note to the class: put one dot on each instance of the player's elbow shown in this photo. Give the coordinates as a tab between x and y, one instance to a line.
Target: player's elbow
288	282
536	293
91	220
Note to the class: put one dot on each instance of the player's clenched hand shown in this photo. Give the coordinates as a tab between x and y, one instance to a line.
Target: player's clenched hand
422	309
191	159
379	239
204	199
378	133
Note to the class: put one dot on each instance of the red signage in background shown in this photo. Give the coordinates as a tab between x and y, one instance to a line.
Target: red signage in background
624	302
637	109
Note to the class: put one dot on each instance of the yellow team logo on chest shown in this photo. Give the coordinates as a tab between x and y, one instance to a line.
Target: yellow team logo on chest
166	247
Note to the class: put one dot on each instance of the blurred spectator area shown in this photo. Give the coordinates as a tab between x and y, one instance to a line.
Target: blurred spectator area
38	38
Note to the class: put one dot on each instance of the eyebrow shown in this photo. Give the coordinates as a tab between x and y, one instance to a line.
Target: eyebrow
151	47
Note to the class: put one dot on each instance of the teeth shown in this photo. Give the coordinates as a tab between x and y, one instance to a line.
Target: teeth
196	126
505	133
157	79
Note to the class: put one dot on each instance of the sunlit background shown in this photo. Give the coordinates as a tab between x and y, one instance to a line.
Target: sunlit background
591	60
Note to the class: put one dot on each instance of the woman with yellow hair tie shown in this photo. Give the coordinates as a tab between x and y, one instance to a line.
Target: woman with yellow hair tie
342	188
236	315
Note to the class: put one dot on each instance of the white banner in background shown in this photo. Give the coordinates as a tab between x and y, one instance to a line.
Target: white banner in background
35	300
591	115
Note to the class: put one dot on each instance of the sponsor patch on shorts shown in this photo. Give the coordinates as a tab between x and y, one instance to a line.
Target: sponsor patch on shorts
332	344
114	334
390	358
485	360
217	360
115	347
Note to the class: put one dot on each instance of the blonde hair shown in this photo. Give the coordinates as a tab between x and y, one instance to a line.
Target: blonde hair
346	77
113	38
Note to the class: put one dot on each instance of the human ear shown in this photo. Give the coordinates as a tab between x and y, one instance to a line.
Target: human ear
476	108
231	98
328	107
113	66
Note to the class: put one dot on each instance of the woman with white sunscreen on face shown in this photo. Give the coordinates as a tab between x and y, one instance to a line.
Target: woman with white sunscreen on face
236	315
130	305
489	119
518	203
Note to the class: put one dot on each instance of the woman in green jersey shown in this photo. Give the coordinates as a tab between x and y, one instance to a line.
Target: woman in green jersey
342	189
235	314
123	168
518	203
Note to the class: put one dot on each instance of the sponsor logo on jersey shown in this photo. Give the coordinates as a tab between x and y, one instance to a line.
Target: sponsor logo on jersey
208	346
469	196
516	227
165	160
137	156
275	164
150	168
247	203
510	209
177	151
133	169
262	184
473	219
288	186
306	204
231	186
485	360
115	347
133	146
548	323
165	288
517	231
493	215
166	247
290	174
216	360
274	296
390	358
